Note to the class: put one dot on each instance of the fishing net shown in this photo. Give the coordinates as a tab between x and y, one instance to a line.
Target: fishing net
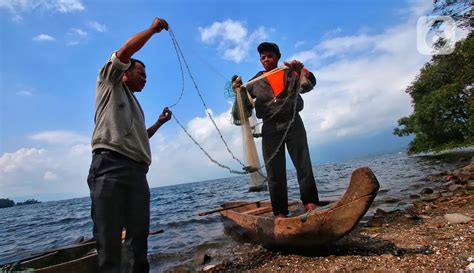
241	111
228	91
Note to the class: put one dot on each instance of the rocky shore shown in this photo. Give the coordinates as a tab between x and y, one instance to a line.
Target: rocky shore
434	232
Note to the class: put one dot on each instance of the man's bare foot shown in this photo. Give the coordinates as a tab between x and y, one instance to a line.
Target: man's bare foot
281	215
310	206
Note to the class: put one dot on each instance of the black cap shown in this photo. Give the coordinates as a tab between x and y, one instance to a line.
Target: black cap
267	46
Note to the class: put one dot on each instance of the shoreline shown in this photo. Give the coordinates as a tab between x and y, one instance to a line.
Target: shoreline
419	237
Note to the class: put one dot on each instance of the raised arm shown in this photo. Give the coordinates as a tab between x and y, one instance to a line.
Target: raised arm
162	119
137	41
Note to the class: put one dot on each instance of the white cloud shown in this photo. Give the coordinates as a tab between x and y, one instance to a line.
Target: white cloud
76	36
72	43
332	33
77	32
60	137
17	7
62	168
419	8
97	26
11	162
300	44
80	149
43	38
40	171
305	56
232	38
63	6
66	6
24	93
50	176
229	30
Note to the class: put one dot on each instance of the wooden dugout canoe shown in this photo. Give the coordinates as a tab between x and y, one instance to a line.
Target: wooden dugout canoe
326	224
78	258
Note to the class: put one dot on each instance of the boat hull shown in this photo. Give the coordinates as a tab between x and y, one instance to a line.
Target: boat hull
78	258
305	230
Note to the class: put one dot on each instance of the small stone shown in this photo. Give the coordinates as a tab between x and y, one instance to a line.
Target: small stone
469	167
426	191
470	185
447	184
374	222
412	216
454	187
201	258
390	200
464	176
414	196
180	269
208	267
433	178
431	197
380	211
457	218
447	194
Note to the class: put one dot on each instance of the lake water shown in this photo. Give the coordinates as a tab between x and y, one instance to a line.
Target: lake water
26	230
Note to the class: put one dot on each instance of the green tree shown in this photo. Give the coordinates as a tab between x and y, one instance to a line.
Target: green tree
459	10
443	102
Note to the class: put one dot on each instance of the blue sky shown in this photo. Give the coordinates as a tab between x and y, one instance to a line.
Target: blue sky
363	54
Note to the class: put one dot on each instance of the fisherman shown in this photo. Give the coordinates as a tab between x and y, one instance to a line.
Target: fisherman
274	101
121	157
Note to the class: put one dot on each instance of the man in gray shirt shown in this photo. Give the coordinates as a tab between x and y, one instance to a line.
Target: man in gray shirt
121	156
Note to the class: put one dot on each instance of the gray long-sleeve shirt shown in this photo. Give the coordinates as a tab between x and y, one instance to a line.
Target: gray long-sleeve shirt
119	118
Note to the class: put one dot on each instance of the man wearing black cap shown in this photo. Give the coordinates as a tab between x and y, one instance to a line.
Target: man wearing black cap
274	101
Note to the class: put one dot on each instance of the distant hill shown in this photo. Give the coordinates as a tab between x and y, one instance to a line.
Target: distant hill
6	202
28	202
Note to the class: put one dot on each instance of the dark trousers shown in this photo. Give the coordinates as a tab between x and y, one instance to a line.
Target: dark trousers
297	145
120	199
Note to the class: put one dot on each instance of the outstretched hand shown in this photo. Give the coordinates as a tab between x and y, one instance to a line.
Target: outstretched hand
165	116
295	65
159	24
